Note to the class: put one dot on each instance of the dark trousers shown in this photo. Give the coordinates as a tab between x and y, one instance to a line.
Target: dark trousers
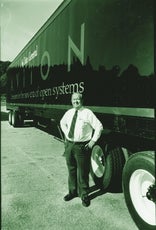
78	163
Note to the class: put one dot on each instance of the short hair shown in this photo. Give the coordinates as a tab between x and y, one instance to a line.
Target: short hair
77	93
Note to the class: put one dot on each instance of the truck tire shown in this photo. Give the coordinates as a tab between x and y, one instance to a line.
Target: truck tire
107	164
17	119
20	120
10	117
140	189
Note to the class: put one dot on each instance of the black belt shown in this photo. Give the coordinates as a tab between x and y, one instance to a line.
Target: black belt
78	143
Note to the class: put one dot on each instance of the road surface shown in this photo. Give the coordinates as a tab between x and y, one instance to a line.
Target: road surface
34	182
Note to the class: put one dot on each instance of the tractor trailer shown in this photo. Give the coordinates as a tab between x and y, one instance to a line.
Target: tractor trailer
103	49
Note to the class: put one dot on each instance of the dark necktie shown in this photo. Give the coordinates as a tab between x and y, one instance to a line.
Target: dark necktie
72	127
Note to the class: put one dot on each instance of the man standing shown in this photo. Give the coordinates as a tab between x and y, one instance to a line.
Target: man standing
81	129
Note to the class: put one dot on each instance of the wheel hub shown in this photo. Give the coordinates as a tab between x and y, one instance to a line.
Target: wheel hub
98	161
151	193
142	192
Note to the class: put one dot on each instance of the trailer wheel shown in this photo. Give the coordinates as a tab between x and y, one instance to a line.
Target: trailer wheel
20	120
140	189
10	117
17	119
107	163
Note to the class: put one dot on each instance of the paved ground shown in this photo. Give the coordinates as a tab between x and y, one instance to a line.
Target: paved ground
34	181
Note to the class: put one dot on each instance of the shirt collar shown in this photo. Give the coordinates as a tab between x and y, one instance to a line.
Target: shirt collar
79	109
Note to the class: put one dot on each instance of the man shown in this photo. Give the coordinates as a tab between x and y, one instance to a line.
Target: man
81	129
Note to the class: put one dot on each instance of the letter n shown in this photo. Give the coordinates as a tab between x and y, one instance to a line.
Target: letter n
78	52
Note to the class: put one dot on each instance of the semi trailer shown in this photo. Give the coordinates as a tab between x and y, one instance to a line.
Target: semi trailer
103	49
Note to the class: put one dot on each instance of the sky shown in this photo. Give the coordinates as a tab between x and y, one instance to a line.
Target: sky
20	20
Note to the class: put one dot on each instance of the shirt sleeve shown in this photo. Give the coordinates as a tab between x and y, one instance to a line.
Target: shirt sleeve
96	125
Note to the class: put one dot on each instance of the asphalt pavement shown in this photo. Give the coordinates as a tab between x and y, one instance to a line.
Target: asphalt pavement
34	182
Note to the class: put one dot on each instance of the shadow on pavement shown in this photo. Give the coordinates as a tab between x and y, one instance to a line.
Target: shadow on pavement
95	191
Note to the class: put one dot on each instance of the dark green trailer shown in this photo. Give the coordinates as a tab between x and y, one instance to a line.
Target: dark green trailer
103	49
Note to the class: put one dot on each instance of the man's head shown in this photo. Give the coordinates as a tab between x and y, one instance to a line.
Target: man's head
77	100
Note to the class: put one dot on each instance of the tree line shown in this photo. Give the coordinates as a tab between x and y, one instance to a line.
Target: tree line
3	67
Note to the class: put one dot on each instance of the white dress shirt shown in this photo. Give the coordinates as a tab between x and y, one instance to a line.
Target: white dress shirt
86	123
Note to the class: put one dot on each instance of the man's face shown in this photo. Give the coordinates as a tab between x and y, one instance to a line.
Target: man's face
76	101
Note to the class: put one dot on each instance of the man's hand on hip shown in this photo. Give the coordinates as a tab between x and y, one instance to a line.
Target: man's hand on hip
90	144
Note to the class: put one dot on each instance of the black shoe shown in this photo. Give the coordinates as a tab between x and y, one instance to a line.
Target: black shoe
85	201
70	196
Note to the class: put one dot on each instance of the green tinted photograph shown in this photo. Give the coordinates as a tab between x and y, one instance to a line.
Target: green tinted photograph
78	108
